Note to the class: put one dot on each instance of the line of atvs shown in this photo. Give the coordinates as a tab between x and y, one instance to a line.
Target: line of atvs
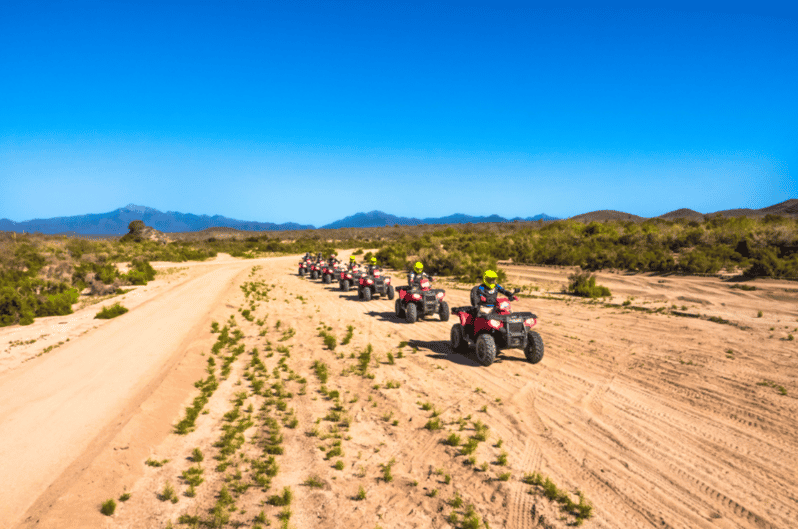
487	330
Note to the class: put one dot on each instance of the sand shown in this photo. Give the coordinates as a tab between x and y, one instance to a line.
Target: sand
660	420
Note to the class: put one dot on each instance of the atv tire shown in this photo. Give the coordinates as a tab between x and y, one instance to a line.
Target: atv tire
391	292
314	275
486	349
459	345
366	294
534	347
326	279
301	272
411	313
443	311
398	310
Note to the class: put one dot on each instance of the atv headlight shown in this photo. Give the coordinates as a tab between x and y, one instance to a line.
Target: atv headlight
416	296
496	324
440	295
530	322
504	305
349	276
425	284
387	280
369	282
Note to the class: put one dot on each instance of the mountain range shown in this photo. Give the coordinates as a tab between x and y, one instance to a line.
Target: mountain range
116	222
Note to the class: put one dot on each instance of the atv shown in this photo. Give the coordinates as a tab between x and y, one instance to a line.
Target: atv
315	270
491	329
373	285
419	300
348	278
328	272
304	267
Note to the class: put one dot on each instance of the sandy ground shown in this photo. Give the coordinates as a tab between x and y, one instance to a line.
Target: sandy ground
659	419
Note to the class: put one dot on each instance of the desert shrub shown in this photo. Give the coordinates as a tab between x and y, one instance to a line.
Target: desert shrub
141	272
584	284
111	312
108	507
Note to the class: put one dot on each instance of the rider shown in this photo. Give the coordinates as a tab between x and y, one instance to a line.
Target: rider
332	259
373	266
352	263
319	258
485	294
417	274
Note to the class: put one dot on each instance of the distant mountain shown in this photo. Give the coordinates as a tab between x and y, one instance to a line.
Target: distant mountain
116	222
374	219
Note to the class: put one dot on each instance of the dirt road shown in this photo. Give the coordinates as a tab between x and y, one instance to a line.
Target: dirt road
658	415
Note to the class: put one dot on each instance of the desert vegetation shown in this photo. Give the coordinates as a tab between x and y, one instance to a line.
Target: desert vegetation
43	275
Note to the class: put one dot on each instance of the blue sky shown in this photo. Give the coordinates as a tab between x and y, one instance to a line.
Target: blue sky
311	111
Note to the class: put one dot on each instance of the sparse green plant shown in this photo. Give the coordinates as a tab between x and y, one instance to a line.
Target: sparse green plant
196	455
470	447
759	314
350	331
155	462
339	465
283	499
453	439
433	424
168	493
361	494
108	507
111	312
505	476
471	519
457	501
584	284
124	497
432	493
387	476
502	459
447	478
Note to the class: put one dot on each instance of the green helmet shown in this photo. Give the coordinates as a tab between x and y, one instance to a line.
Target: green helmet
490	278
373	260
418	267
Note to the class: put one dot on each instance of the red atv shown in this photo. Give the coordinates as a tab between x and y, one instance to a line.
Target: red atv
315	269
373	285
348	278
495	328
419	300
328	272
304	267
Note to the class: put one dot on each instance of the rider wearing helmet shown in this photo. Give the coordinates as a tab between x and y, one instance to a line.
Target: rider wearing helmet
373	265
333	259
485	294
352	263
417	274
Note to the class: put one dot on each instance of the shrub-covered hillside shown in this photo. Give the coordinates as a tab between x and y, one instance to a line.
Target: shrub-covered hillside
42	275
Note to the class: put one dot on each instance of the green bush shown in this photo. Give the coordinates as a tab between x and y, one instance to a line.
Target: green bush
584	284
111	312
108	507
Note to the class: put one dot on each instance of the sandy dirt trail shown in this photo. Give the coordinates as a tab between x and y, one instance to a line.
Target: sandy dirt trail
53	407
660	420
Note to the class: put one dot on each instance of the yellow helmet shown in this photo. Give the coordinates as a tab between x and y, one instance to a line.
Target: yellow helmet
490	278
418	267
352	258
373	260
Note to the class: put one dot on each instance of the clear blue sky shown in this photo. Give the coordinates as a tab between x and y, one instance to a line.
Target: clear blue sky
311	111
